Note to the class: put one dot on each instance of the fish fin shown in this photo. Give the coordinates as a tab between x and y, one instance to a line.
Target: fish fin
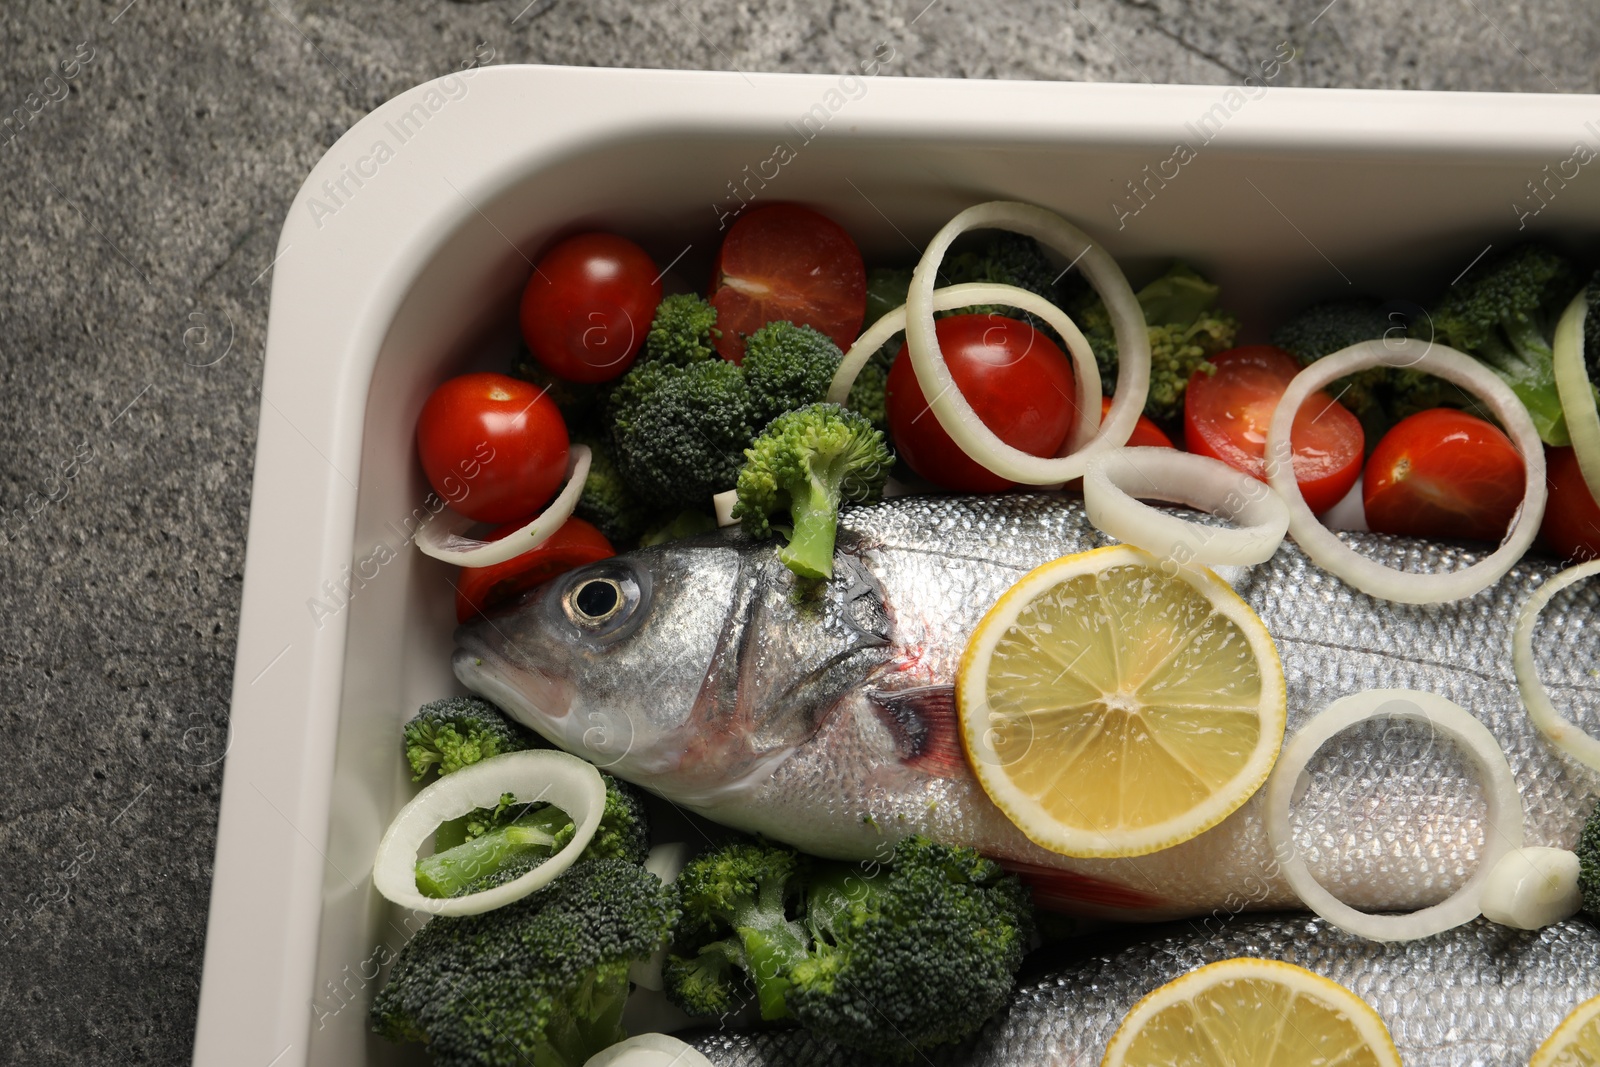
1059	890
923	721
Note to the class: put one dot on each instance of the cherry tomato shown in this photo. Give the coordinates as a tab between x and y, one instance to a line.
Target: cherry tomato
1571	517
1017	381
493	446
1226	415
1146	434
588	306
482	589
787	262
1443	473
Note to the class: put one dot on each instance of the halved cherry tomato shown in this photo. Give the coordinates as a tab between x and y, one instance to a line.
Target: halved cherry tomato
1443	473
1226	415
1146	434
1571	517
1017	381
494	447
786	262
589	305
482	589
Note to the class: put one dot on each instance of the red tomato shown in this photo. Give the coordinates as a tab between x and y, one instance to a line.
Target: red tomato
482	589
1016	379
493	446
1571	517
787	262
588	306
1226	415
1146	434
1443	473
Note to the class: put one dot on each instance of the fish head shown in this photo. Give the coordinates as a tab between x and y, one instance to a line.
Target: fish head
608	661
690	668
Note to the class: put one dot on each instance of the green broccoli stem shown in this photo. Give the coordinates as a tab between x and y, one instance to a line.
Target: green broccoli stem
444	874
773	944
815	510
591	1021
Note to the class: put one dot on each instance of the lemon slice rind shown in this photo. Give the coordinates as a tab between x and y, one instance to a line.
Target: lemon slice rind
1580	1030
1363	1023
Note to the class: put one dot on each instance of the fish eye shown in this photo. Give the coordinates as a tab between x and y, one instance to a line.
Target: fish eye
594	601
604	601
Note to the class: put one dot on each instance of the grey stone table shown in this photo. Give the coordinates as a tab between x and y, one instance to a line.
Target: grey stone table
148	153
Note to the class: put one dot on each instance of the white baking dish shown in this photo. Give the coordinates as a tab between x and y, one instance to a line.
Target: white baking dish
404	253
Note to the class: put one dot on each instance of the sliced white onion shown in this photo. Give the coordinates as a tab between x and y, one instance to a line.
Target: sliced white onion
1086	371
1117	479
533	776
1531	888
1562	733
938	385
442	538
1369	576
1502	832
1577	392
723	504
649	1050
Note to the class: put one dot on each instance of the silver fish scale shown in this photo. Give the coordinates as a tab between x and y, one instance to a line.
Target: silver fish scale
944	560
1477	996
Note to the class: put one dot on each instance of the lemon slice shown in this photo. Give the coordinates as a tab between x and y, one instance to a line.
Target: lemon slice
1251	1013
1113	707
1576	1041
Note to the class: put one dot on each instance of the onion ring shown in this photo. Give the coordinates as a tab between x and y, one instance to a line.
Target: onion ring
1085	370
1502	835
1369	576
1577	392
1115	507
1531	888
571	784
938	384
442	538
649	1050
1562	733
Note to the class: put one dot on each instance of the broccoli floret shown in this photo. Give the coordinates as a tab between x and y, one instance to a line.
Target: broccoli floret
1007	258
869	392
582	404
1588	851
537	983
918	956
886	290
1185	329
737	928
710	984
1504	312
509	839
608	501
679	432
809	462
1325	328
890	962
787	367
690	522
449	734
684	331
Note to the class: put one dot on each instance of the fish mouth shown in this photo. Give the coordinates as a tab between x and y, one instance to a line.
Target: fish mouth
531	697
